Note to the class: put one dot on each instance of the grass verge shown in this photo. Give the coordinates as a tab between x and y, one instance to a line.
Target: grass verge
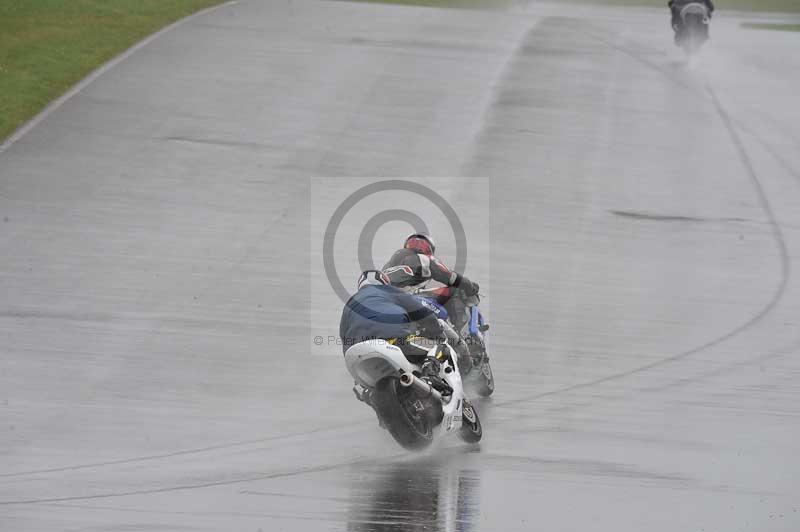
462	4
770	26
46	46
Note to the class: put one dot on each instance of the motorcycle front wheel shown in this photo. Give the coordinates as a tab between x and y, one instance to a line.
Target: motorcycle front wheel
485	386
481	378
471	429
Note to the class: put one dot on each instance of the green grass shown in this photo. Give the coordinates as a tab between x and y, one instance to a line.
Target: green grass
46	46
463	4
770	26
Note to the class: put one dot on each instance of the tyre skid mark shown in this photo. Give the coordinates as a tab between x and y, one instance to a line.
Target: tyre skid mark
209	484
785	259
199	450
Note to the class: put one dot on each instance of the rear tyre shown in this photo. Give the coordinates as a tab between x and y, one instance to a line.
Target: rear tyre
471	430
695	33
407	417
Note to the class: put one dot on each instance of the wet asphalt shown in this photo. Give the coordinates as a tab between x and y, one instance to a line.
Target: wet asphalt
632	218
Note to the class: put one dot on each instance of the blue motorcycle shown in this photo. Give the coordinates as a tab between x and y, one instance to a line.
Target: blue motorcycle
464	320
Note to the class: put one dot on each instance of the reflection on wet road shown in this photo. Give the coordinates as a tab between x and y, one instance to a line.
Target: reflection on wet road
433	494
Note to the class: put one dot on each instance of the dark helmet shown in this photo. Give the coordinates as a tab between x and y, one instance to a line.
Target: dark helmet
421	243
374	277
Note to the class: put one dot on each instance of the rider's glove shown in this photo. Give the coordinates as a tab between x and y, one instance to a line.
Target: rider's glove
431	328
470	288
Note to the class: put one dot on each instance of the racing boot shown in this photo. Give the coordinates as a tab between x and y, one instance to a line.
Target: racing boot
464	358
429	372
365	396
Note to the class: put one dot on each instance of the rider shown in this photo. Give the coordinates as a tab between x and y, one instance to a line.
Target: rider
413	266
676	6
378	310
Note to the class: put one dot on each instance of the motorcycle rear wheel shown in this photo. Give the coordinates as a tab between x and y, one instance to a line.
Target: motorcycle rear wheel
695	34
399	409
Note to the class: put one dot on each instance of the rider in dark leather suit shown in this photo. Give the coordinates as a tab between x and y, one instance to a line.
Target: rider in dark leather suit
381	311
414	265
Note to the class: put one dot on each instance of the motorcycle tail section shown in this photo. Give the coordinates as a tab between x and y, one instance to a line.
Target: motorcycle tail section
371	361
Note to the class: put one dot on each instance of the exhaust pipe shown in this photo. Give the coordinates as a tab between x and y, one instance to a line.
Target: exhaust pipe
421	387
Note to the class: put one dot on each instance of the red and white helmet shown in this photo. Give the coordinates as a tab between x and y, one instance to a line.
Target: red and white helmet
421	243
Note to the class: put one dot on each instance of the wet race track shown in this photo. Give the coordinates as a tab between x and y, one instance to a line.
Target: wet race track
633	221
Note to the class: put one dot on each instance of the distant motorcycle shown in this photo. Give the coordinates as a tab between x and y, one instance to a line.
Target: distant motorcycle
408	406
470	326
692	32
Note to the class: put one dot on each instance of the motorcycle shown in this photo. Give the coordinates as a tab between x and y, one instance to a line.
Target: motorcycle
408	406
467	323
693	31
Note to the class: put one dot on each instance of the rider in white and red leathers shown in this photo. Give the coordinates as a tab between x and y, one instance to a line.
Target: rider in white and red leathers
415	265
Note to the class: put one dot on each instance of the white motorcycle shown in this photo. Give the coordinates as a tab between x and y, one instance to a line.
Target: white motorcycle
414	412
